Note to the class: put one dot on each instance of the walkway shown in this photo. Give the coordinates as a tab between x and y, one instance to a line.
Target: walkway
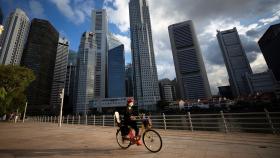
44	140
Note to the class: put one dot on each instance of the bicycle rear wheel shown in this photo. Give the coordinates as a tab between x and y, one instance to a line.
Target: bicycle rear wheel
152	140
124	143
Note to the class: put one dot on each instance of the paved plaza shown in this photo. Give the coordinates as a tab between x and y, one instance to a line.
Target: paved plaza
45	140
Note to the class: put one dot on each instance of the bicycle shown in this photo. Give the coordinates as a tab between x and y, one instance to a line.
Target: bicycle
150	138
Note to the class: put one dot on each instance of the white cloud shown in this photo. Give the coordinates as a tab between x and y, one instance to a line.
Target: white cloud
217	76
118	13
77	11
36	8
259	65
125	40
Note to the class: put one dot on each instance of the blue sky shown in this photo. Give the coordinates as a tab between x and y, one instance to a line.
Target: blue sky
251	18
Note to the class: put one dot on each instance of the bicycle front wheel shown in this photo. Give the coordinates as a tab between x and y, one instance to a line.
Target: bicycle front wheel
123	142
152	140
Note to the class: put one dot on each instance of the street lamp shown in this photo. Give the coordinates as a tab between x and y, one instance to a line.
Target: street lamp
61	106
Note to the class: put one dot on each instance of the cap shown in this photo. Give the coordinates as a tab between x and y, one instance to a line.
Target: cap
129	100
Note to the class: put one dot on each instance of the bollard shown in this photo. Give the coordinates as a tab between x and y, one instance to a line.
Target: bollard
79	120
224	120
51	119
190	121
86	121
67	119
94	120
73	118
164	121
103	120
114	121
269	121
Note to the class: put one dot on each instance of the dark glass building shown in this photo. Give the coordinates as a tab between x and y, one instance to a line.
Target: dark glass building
40	55
1	16
116	72
270	47
129	80
69	97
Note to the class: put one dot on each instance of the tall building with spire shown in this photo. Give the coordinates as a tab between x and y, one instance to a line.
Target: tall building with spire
143	59
100	28
86	65
190	69
14	37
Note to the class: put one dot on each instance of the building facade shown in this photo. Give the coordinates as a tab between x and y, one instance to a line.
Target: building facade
69	94
1	16
146	90
190	70
235	59
225	91
116	69
14	37
59	76
167	90
269	44
40	55
108	104
261	82
86	65
100	28
129	89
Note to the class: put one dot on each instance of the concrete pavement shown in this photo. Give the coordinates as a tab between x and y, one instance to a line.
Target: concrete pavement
45	140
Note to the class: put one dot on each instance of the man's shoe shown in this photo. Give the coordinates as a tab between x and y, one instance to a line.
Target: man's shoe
139	143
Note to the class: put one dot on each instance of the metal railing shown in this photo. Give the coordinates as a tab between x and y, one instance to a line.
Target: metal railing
262	122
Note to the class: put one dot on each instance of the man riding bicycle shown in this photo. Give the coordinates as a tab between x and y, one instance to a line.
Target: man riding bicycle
130	119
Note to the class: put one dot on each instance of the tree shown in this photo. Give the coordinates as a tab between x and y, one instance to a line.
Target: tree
13	82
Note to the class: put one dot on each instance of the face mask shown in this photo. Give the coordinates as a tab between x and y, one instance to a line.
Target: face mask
130	104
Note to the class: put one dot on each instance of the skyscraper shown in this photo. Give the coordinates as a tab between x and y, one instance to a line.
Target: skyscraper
129	80
269	44
70	82
190	70
39	55
143	59
59	76
235	59
167	90
1	16
86	65
100	28
116	68
14	37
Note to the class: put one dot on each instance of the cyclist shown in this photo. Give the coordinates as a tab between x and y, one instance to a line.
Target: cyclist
130	119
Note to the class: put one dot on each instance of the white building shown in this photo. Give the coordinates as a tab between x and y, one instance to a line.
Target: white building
108	103
14	37
146	89
190	69
86	65
59	75
100	28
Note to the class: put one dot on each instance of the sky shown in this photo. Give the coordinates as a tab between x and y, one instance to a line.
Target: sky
251	18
